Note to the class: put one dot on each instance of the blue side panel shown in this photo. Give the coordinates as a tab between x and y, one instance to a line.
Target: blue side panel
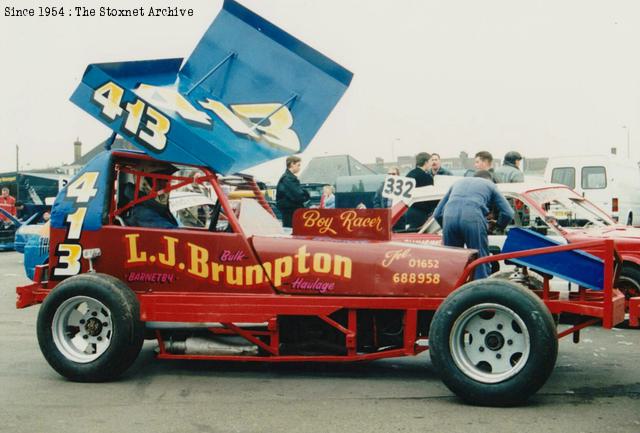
581	268
248	93
64	205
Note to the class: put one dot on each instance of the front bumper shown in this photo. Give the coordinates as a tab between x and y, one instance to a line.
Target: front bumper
34	293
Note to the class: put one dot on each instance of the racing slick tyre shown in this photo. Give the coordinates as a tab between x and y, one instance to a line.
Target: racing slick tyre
493	342
89	328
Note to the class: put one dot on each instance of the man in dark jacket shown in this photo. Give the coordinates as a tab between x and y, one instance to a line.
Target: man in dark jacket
436	166
462	214
289	194
418	212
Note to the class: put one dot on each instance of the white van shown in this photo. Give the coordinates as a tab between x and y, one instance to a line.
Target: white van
609	181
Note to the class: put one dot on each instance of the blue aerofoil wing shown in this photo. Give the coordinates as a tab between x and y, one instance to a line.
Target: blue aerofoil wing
248	93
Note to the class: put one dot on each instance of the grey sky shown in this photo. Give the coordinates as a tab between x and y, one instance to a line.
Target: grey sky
545	77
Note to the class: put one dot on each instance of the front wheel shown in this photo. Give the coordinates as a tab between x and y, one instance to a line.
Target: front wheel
493	342
89	328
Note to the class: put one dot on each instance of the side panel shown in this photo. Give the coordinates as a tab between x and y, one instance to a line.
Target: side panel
161	260
351	268
78	211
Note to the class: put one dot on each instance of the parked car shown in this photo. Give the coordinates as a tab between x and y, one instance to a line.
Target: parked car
609	181
352	191
555	211
34	226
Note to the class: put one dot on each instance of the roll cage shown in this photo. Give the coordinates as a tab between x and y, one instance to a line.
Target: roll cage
130	174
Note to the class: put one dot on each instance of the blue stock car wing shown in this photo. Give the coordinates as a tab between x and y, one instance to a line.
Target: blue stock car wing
248	93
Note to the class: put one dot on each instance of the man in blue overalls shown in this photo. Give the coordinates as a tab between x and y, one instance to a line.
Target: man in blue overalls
462	214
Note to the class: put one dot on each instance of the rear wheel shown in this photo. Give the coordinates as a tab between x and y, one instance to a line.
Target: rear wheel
89	328
493	342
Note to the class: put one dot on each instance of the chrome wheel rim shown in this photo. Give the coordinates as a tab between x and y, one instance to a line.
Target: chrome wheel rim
82	329
489	343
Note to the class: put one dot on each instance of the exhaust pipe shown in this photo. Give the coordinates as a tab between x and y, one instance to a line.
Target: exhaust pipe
211	346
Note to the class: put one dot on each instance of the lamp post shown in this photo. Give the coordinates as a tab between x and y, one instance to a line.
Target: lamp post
393	149
628	140
17	173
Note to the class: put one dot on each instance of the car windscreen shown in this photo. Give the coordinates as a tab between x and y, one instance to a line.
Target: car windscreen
568	208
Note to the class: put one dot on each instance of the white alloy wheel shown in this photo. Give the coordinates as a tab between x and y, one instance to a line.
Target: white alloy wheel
489	343
82	329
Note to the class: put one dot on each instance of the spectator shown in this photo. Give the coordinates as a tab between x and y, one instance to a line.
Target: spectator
483	161
6	198
509	171
328	199
7	203
462	214
418	212
436	166
378	200
289	194
20	210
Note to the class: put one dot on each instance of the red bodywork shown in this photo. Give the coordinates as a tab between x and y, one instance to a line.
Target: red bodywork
339	267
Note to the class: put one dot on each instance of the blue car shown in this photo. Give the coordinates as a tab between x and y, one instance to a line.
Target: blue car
33	226
36	252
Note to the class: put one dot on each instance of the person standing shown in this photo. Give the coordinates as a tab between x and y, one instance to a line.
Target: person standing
509	171
418	212
20	211
483	160
6	198
289	194
328	199
436	167
378	200
462	214
7	202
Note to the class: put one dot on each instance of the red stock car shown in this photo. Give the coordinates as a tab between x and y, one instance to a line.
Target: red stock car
225	283
217	279
557	212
